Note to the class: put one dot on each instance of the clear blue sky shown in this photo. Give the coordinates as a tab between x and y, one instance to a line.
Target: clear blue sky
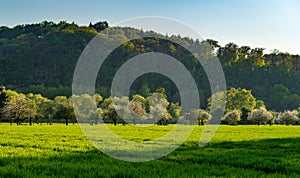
258	23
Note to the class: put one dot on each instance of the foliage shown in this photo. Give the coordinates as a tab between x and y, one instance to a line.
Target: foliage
18	109
158	105
260	104
154	109
137	108
3	96
48	53
200	115
288	117
175	110
86	107
232	117
203	117
236	99
64	109
44	106
107	111
99	26
260	116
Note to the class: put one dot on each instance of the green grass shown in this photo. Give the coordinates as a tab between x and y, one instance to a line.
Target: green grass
235	151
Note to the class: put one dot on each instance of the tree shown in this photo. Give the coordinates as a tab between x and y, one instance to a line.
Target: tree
244	115
49	110
236	99
228	54
141	99
138	109
24	47
206	49
13	94
199	115
243	53
84	105
3	96
213	43
19	109
64	109
175	110
118	108
288	117
260	104
3	99
158	104
98	98
42	105
274	114
145	90
277	93
260	116
165	119
99	26
256	56
203	117
232	117
121	110
108	112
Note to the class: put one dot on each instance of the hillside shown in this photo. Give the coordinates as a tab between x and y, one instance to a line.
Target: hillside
41	58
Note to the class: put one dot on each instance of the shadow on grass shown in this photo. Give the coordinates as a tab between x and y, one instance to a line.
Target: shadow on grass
262	158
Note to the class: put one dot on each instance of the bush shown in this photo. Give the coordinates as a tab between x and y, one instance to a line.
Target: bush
199	115
232	117
260	116
288	117
203	117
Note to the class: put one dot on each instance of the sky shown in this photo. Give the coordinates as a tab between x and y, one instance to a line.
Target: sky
270	24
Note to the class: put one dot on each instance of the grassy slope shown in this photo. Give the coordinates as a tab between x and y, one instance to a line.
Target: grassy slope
241	151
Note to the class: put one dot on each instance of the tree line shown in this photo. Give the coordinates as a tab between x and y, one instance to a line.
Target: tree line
241	108
48	52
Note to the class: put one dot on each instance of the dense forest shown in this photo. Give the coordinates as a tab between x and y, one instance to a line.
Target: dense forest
41	58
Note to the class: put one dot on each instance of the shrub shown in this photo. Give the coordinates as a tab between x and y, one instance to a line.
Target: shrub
288	117
200	115
260	116
232	117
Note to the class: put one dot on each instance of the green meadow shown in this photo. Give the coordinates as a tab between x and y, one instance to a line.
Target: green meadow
234	151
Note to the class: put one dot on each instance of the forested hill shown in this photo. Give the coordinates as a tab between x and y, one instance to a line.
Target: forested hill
41	58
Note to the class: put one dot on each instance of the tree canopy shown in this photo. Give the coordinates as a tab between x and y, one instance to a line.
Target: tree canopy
47	53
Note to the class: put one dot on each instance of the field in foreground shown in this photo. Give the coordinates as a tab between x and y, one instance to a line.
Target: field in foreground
235	151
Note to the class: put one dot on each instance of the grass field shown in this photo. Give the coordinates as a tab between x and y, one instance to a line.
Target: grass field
235	151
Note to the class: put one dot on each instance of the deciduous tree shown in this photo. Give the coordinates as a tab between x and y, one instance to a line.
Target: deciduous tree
260	116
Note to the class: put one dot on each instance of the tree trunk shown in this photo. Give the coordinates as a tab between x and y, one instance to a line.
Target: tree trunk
30	121
67	121
49	119
115	121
